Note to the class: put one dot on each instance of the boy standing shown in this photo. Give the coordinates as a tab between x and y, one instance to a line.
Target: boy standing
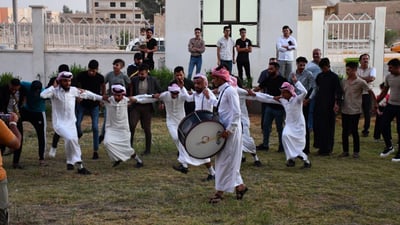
353	89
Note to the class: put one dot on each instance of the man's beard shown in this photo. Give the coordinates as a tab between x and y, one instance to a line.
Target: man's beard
142	78
66	89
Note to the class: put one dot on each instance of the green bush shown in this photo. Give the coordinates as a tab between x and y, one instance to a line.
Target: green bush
74	69
5	78
390	37
164	75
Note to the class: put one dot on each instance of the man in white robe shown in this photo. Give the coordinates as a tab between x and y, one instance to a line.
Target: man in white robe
202	103
249	145
174	101
293	134
227	161
63	98
117	136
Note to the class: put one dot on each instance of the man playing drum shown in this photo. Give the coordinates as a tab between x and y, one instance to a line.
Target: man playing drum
174	101
227	161
202	103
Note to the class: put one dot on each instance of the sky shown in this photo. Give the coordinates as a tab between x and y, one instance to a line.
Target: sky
53	5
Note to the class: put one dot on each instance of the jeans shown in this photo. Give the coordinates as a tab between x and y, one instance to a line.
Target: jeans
227	64
246	64
389	113
366	107
269	115
286	67
94	114
194	61
350	126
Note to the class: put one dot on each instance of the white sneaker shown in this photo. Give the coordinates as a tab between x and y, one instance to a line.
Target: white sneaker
387	151
52	152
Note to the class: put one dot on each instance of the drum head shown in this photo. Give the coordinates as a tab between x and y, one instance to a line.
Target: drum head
204	140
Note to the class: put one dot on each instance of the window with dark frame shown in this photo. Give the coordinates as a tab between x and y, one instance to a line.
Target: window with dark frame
236	13
112	4
122	4
112	15
96	4
122	16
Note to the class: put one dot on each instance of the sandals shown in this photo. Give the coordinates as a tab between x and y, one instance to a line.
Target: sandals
216	198
240	194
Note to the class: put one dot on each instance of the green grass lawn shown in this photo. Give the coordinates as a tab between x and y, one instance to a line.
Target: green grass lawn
334	191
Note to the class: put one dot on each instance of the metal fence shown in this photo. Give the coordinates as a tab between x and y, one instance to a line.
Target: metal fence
69	34
348	37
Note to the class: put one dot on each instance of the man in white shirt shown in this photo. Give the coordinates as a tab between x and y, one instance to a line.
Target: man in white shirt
226	50
285	46
368	74
63	98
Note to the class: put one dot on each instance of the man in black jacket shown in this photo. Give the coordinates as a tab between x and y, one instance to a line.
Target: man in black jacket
143	84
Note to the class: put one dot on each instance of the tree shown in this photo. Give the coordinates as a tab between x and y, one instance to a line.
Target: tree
151	7
66	9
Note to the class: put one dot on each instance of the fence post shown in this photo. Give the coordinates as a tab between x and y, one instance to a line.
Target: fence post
379	46
318	22
38	42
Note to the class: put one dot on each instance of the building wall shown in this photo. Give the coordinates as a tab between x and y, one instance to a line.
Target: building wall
54	58
180	24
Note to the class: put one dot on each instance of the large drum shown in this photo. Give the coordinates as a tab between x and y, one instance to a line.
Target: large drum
200	133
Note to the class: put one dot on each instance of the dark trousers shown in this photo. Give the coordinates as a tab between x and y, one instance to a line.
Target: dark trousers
271	114
378	125
366	107
38	121
306	116
389	113
350	126
142	113
246	64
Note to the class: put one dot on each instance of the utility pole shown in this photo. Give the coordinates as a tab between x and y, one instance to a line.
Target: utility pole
15	19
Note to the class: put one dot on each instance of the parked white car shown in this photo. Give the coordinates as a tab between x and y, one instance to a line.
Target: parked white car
134	44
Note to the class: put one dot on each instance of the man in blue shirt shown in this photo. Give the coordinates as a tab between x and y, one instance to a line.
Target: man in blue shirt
34	111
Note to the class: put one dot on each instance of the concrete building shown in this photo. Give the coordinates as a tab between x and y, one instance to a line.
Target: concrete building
119	10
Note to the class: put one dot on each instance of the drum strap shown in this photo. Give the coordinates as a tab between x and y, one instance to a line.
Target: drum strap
215	109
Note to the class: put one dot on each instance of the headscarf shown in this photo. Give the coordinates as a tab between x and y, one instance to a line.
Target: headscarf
118	89
174	88
233	82
64	75
288	87
201	76
221	73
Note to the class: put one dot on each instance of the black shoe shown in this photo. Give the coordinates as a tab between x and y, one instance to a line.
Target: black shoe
209	178
80	135
365	133
280	149
101	138
70	167
139	164
95	155
147	152
262	147
116	163
84	171
257	163
306	165
180	168
17	166
290	163
243	159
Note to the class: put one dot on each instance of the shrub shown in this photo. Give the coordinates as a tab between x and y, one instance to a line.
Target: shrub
390	37
5	78
164	75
